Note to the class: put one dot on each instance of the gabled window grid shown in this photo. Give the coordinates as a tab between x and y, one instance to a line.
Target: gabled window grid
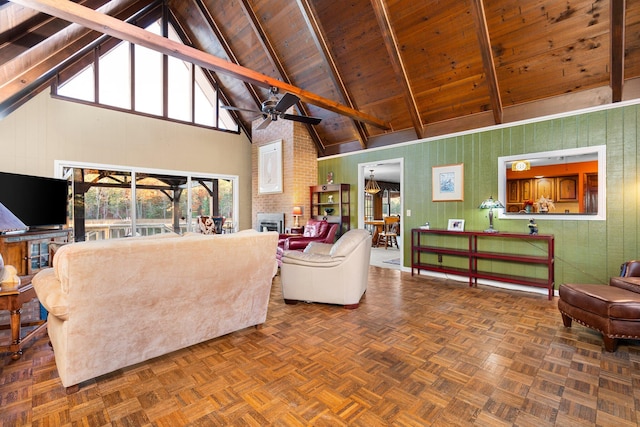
131	78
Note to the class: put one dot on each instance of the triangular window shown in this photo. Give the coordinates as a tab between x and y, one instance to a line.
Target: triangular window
191	93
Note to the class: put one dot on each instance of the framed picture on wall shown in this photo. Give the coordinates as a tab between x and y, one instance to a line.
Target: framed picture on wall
270	168
456	225
448	183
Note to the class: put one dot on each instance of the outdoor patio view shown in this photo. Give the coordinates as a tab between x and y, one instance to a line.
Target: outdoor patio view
102	205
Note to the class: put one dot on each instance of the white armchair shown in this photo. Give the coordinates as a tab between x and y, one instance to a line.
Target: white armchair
328	273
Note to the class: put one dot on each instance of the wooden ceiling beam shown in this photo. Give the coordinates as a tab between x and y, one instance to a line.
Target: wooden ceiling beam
617	13
272	55
213	25
97	21
480	19
320	40
391	44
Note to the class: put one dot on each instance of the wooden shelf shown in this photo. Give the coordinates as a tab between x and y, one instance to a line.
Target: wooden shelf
334	196
473	254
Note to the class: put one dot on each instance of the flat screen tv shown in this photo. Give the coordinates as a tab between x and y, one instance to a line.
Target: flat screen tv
37	201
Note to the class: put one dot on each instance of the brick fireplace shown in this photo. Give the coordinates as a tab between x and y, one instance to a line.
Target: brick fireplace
299	171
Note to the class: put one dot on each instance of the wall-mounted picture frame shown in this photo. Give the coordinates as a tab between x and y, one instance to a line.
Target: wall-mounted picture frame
270	168
448	183
456	225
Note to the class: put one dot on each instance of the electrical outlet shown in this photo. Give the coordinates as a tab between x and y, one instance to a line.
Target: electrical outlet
408	212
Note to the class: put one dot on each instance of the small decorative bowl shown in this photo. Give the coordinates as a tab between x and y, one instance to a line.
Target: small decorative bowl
328	211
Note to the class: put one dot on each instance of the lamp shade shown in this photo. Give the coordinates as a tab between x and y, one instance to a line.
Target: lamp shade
372	186
297	210
490	203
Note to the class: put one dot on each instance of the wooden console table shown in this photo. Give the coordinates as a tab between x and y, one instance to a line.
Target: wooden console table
12	299
490	256
29	253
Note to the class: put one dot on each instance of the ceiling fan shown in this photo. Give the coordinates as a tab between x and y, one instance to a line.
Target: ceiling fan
274	108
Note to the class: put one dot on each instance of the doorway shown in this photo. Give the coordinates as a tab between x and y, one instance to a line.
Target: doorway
389	174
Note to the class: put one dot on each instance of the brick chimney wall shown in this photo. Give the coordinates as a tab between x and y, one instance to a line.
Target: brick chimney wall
299	170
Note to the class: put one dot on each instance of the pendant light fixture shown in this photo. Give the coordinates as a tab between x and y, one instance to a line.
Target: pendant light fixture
372	186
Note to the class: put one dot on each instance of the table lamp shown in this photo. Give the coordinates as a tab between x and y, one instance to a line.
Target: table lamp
491	204
297	211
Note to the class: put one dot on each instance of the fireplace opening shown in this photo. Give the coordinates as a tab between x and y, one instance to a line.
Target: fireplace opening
270	222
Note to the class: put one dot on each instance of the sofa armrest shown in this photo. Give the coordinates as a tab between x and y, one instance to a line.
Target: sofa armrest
629	283
49	292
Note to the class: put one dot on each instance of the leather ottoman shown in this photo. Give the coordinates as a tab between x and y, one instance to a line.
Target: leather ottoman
612	310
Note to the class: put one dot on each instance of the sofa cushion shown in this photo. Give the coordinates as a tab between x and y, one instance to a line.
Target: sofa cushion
602	300
311	259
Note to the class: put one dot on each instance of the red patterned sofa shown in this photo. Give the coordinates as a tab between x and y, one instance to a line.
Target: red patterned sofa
314	231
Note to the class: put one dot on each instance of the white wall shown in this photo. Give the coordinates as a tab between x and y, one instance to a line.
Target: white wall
44	130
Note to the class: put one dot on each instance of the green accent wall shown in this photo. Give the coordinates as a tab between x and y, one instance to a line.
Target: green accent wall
586	251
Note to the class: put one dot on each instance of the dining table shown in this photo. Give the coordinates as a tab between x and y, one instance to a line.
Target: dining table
378	225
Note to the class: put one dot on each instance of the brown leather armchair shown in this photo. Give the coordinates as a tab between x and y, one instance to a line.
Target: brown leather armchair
613	310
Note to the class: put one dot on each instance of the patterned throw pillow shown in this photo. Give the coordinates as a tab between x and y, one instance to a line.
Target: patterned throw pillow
310	230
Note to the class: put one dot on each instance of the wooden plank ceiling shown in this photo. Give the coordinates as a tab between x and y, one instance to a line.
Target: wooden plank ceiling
377	72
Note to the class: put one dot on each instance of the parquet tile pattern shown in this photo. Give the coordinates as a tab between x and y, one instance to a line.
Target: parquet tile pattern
417	352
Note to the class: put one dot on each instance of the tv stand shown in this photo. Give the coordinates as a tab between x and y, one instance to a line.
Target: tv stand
30	251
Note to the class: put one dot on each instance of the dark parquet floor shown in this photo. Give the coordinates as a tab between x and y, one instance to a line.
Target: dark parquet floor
417	352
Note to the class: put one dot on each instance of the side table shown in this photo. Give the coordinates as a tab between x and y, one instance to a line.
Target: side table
12	299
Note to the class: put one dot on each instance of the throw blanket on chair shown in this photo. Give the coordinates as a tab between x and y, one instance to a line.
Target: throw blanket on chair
206	225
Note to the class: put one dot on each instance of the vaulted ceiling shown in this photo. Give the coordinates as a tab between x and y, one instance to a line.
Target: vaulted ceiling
377	72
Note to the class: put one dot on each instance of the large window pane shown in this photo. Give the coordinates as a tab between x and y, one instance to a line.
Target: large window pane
205	97
160	204
107	204
225	121
179	90
79	87
115	77
148	80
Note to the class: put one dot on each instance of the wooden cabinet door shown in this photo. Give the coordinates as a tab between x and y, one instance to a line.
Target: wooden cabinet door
567	188
526	190
513	191
545	187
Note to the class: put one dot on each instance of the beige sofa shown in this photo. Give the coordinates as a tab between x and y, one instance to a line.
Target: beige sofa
115	303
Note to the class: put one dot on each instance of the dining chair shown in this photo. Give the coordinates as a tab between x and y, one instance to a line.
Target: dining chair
389	234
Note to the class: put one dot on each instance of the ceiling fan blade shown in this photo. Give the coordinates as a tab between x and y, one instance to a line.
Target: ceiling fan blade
228	107
287	100
303	119
264	124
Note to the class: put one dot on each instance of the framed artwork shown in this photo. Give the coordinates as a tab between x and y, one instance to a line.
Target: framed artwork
270	168
456	225
448	183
